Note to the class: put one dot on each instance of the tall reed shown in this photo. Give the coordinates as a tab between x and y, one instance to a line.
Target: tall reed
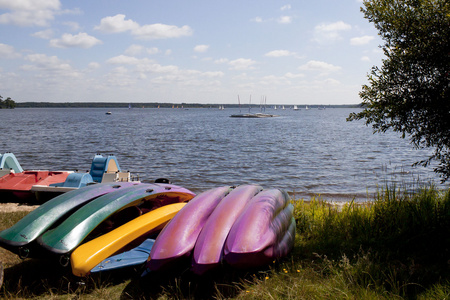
399	242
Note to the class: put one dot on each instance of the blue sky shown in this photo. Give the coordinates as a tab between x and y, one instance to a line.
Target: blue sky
291	52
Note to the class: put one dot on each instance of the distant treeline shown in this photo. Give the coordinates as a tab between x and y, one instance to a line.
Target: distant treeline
161	105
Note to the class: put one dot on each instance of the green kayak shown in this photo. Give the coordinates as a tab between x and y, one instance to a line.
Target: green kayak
135	199
17	238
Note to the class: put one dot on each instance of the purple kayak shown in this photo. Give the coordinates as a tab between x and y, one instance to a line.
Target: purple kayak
263	232
178	238
208	251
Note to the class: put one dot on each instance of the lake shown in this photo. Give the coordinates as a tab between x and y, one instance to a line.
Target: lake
304	152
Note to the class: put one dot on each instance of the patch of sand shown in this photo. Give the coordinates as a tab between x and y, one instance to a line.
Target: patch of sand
14	207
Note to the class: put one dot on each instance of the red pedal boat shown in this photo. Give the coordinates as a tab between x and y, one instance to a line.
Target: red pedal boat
17	186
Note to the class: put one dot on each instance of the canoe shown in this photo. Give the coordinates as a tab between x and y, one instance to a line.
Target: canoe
263	232
134	257
128	202
176	241
208	250
84	258
18	237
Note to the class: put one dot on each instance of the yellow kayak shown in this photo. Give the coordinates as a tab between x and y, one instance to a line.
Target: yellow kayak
90	254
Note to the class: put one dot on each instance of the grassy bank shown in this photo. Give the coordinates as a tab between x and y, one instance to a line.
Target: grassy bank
397	246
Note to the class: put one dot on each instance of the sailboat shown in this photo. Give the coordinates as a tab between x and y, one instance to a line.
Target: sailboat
295	107
250	115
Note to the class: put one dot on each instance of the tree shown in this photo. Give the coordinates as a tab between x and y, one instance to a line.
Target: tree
8	103
410	93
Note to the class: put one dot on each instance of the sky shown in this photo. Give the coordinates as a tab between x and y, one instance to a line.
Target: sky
177	51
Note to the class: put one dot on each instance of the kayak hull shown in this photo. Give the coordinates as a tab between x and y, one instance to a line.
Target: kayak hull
29	228
263	232
125	204
176	241
209	246
84	258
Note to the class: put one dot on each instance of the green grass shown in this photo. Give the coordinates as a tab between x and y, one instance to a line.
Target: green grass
395	247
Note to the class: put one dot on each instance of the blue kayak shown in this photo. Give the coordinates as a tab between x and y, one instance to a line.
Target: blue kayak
134	257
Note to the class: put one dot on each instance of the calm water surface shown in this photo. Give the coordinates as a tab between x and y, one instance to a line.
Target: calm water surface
305	152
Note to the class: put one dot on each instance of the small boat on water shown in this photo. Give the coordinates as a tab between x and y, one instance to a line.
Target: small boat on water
108	113
257	115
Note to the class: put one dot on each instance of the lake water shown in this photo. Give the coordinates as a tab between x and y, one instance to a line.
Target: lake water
304	152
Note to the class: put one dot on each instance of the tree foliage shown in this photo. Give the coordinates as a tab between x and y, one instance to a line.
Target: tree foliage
410	93
8	103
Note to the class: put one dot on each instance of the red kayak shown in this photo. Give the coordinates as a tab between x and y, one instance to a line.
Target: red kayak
17	186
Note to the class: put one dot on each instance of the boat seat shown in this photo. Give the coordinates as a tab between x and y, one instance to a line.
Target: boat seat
9	161
4	172
75	180
101	165
116	176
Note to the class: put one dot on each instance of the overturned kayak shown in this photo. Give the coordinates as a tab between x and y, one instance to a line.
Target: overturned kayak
18	237
243	227
125	204
90	254
264	231
176	241
208	249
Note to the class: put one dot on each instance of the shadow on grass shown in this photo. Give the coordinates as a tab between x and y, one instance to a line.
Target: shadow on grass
41	278
180	283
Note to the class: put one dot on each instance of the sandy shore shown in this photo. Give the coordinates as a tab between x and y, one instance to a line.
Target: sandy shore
13	207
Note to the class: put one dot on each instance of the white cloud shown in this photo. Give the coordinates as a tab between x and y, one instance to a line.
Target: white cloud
134	50
242	64
29	12
293	76
74	26
152	50
285	20
221	61
80	40
363	40
124	59
7	51
257	20
285	7
30	4
330	32
118	24
279	53
161	31
319	66
49	66
365	58
93	65
44	34
201	48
